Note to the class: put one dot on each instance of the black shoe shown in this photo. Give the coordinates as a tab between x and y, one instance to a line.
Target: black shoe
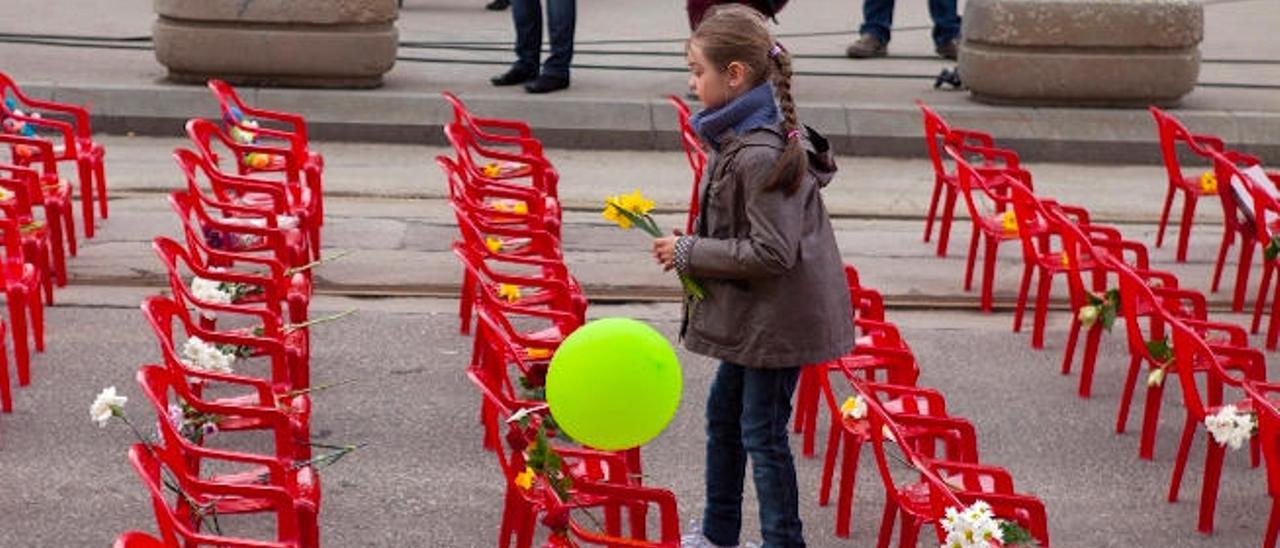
498	5
547	83
513	77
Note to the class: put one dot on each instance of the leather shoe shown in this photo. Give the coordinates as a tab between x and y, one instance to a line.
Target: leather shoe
547	83
498	5
513	77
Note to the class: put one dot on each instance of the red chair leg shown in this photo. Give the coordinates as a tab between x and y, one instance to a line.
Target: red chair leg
1261	302
1069	354
973	257
36	304
86	195
1023	287
1242	277
1042	309
69	225
948	214
1130	382
834	435
886	522
803	386
1150	416
1180	464
6	391
910	535
1164	216
989	275
1209	489
466	299
1228	238
848	476
1092	338
99	174
1184	229
1273	326
21	345
933	209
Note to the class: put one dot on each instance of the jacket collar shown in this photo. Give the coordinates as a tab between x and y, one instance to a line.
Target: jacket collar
753	109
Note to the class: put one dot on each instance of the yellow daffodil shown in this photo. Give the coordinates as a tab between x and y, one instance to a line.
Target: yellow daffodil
494	244
1209	183
524	480
1009	220
511	206
5	194
612	214
1066	261
854	408
257	160
538	353
509	292
634	203
491	169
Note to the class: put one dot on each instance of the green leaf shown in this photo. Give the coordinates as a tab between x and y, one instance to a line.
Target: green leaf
1272	249
645	222
1160	349
1015	535
1108	316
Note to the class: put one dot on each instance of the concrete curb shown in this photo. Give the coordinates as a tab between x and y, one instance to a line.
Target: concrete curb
891	130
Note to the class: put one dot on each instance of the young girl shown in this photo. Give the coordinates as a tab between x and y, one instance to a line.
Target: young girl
765	252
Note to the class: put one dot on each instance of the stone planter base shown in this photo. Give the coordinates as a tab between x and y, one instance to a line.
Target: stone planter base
304	43
1121	53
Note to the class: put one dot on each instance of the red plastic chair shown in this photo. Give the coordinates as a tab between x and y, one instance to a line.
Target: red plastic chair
282	466
1237	219
77	144
45	189
693	152
293	373
301	201
495	131
179	528
1172	133
594	494
22	288
271	390
993	187
1139	300
1036	232
1027	511
1193	355
287	126
938	133
1263	203
522	506
137	539
37	241
230	232
473	156
1264	398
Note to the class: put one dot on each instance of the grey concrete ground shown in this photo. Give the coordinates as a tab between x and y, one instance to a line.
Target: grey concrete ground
868	114
423	480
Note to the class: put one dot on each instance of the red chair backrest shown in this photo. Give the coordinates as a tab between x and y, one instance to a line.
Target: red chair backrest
1264	403
151	467
1172	132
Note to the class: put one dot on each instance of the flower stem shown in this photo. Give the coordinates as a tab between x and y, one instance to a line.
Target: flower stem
301	391
289	328
317	262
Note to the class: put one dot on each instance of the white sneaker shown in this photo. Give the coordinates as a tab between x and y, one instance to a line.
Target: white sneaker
696	540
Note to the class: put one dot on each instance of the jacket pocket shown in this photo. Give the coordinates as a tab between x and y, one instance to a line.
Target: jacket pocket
722	316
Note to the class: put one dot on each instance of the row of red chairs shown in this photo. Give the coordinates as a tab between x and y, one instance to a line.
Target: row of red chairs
917	417
519	301
249	230
38	226
1167	327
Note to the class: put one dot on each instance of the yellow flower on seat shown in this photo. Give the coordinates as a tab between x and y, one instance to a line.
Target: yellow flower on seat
854	408
1066	260
494	244
491	169
511	206
538	353
1209	183
509	292
524	480
1010	222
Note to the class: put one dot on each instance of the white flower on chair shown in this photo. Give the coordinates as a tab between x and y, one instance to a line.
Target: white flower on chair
1230	427
201	355
108	404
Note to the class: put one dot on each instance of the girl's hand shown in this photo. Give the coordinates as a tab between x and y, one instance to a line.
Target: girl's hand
664	250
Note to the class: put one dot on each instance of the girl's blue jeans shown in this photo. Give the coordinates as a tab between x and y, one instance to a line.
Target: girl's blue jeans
747	414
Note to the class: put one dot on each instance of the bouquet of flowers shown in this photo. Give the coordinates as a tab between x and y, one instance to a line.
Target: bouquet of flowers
632	210
977	527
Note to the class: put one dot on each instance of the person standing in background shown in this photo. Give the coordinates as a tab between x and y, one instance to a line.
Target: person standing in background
698	8
877	19
553	75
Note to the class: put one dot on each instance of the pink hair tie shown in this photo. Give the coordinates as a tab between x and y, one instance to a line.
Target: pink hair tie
775	51
793	134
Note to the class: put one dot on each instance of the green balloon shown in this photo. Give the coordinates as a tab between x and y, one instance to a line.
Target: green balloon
614	384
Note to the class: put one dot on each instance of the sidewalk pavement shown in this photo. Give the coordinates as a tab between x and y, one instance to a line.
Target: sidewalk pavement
870	114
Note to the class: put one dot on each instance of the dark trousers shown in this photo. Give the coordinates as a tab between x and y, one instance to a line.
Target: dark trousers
747	414
561	15
877	19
